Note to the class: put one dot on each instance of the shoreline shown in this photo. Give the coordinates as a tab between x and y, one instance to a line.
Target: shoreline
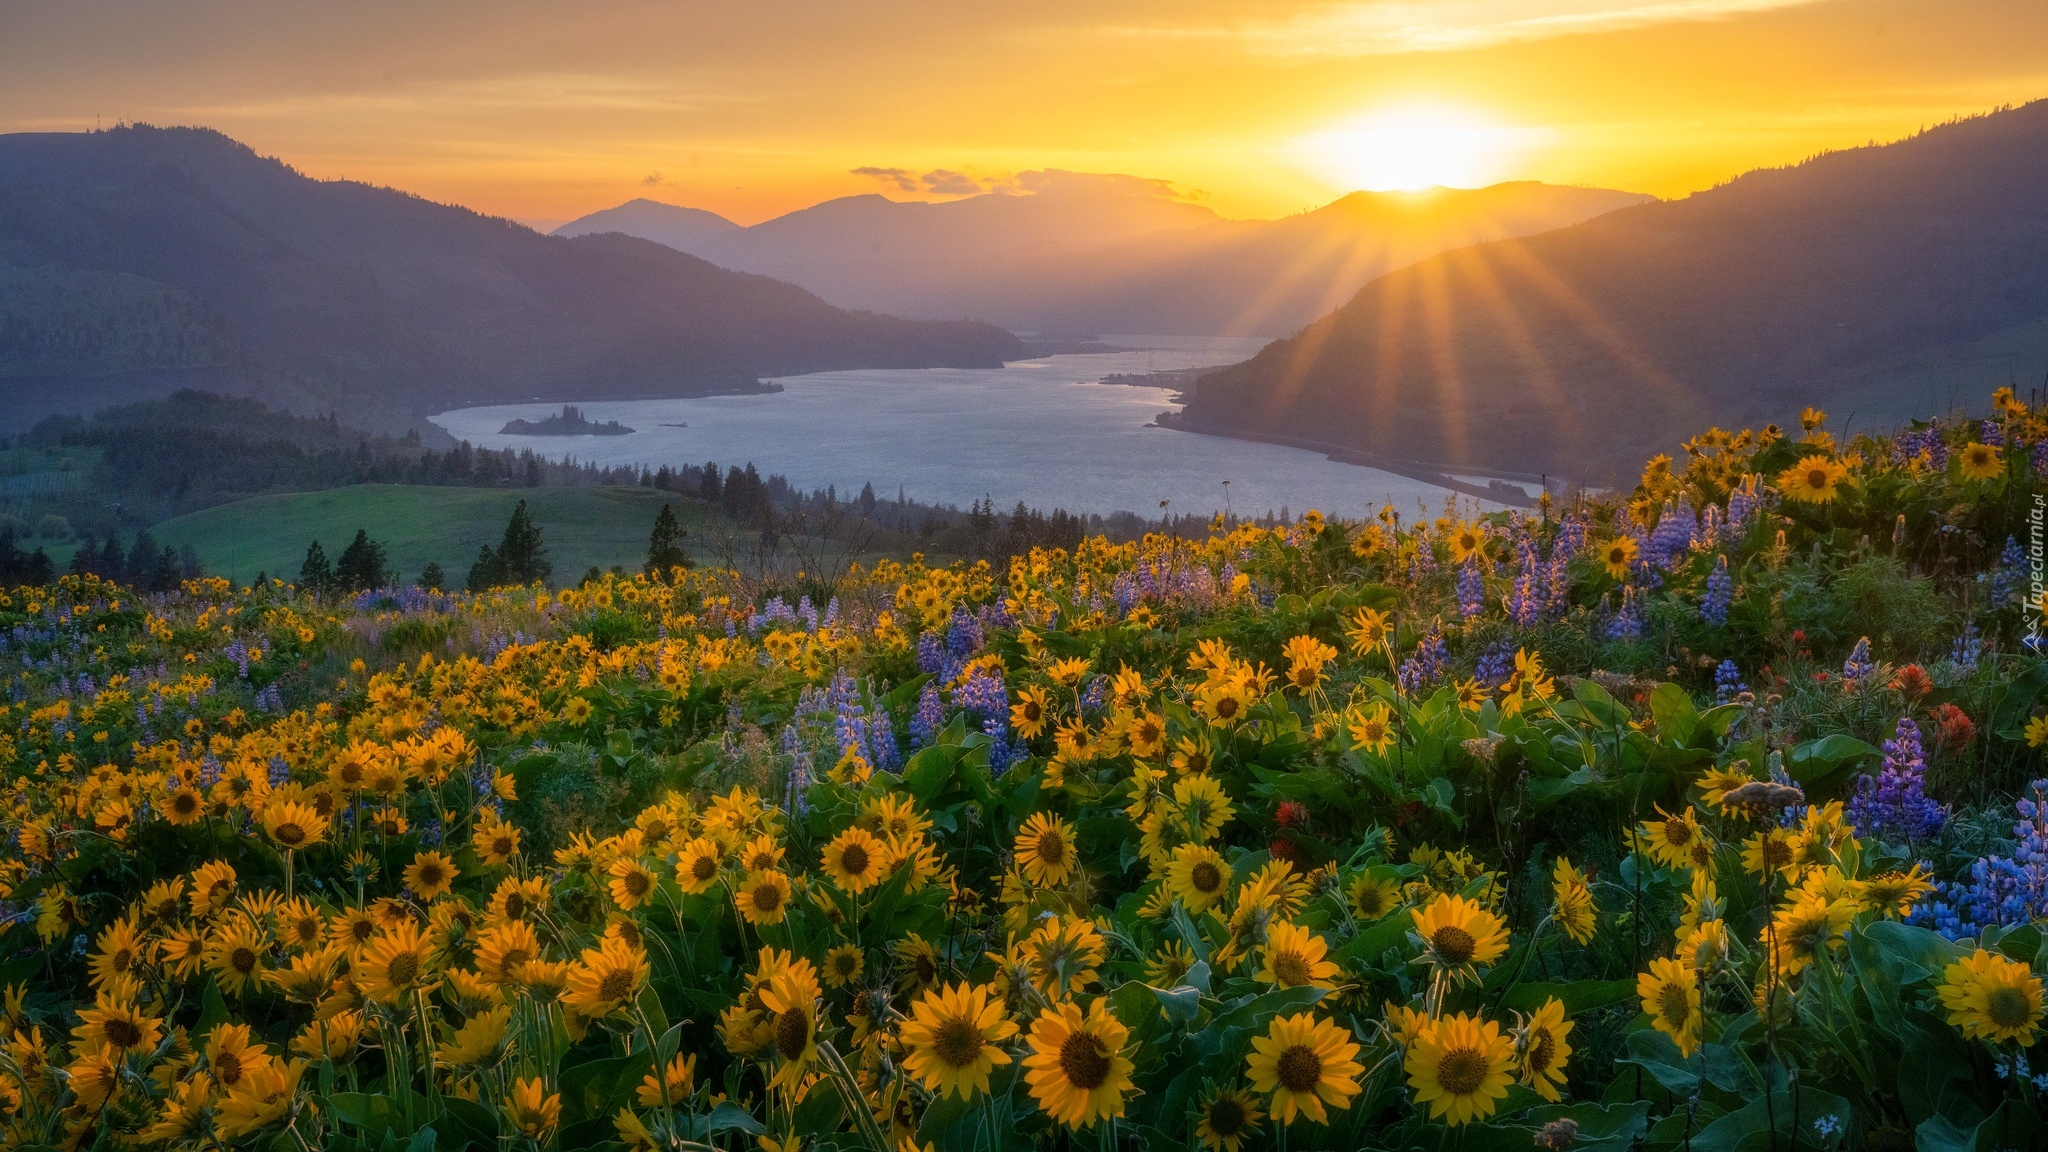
1507	488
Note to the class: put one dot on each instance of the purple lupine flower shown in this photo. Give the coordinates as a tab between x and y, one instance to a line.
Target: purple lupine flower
2002	890
1471	590
1857	668
1495	665
1720	593
1627	621
929	716
1728	682
1893	805
1426	665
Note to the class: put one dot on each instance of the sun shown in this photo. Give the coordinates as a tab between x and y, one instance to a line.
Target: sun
1411	147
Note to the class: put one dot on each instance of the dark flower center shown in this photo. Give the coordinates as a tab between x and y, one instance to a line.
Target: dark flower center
1083	1062
2009	1008
792	1034
1462	1071
1299	1069
615	985
1290	969
958	1043
1453	944
1051	847
854	859
403	969
1674	1004
1205	877
123	1032
243	960
1226	1117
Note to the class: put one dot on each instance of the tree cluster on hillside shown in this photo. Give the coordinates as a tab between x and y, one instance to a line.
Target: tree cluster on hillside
520	558
195	449
19	567
143	564
361	567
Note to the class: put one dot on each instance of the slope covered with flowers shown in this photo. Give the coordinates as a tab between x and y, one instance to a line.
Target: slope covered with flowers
1697	816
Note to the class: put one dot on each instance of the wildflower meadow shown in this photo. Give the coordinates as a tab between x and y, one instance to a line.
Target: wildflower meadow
1704	816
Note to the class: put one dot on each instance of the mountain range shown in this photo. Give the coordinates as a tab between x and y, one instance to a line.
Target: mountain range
139	260
1090	253
1874	282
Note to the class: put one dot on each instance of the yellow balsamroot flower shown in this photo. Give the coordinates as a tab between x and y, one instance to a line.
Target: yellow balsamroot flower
1076	1070
1045	849
605	977
293	825
1618	555
260	1100
1293	957
1671	840
1813	480
855	860
1306	659
1201	806
504	950
792	998
1373	897
184	1112
1572	902
1065	953
1227	1118
677	1082
630	884
1893	894
1305	1064
1032	713
1461	1067
1979	461
1371	728
1198	877
431	875
533	1110
480	1042
213	888
1170	965
1804	927
1769	851
1145	732
116	1024
1670	993
1992	998
951	1039
395	963
120	948
763	897
1542	1049
237	953
699	866
495	841
1370	631
844	965
1223	702
334	1038
1459	934
1465	541
2037	732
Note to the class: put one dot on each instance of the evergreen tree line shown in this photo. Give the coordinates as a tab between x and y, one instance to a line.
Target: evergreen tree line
521	557
143	565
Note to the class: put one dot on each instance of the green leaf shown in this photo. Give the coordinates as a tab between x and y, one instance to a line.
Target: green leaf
1180	1004
213	1010
1817	762
1578	996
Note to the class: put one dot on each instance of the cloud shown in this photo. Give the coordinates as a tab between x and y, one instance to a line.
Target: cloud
651	180
944	182
901	179
1384	27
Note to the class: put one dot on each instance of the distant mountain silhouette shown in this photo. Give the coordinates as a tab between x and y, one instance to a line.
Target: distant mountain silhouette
1878	281
1089	253
139	260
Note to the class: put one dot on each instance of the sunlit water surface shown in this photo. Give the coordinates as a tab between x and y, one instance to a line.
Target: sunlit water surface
1040	431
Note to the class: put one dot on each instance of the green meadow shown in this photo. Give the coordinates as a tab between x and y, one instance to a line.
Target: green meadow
600	526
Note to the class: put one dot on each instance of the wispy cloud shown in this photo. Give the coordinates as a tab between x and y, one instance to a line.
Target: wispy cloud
1387	27
573	92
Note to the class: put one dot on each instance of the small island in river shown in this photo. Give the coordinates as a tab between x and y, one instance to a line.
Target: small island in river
569	422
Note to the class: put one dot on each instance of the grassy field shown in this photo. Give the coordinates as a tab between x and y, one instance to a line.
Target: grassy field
416	525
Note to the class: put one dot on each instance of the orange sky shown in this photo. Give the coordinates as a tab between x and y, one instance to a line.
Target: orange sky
546	111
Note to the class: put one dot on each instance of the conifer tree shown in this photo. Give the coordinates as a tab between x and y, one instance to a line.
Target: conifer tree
316	574
664	545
